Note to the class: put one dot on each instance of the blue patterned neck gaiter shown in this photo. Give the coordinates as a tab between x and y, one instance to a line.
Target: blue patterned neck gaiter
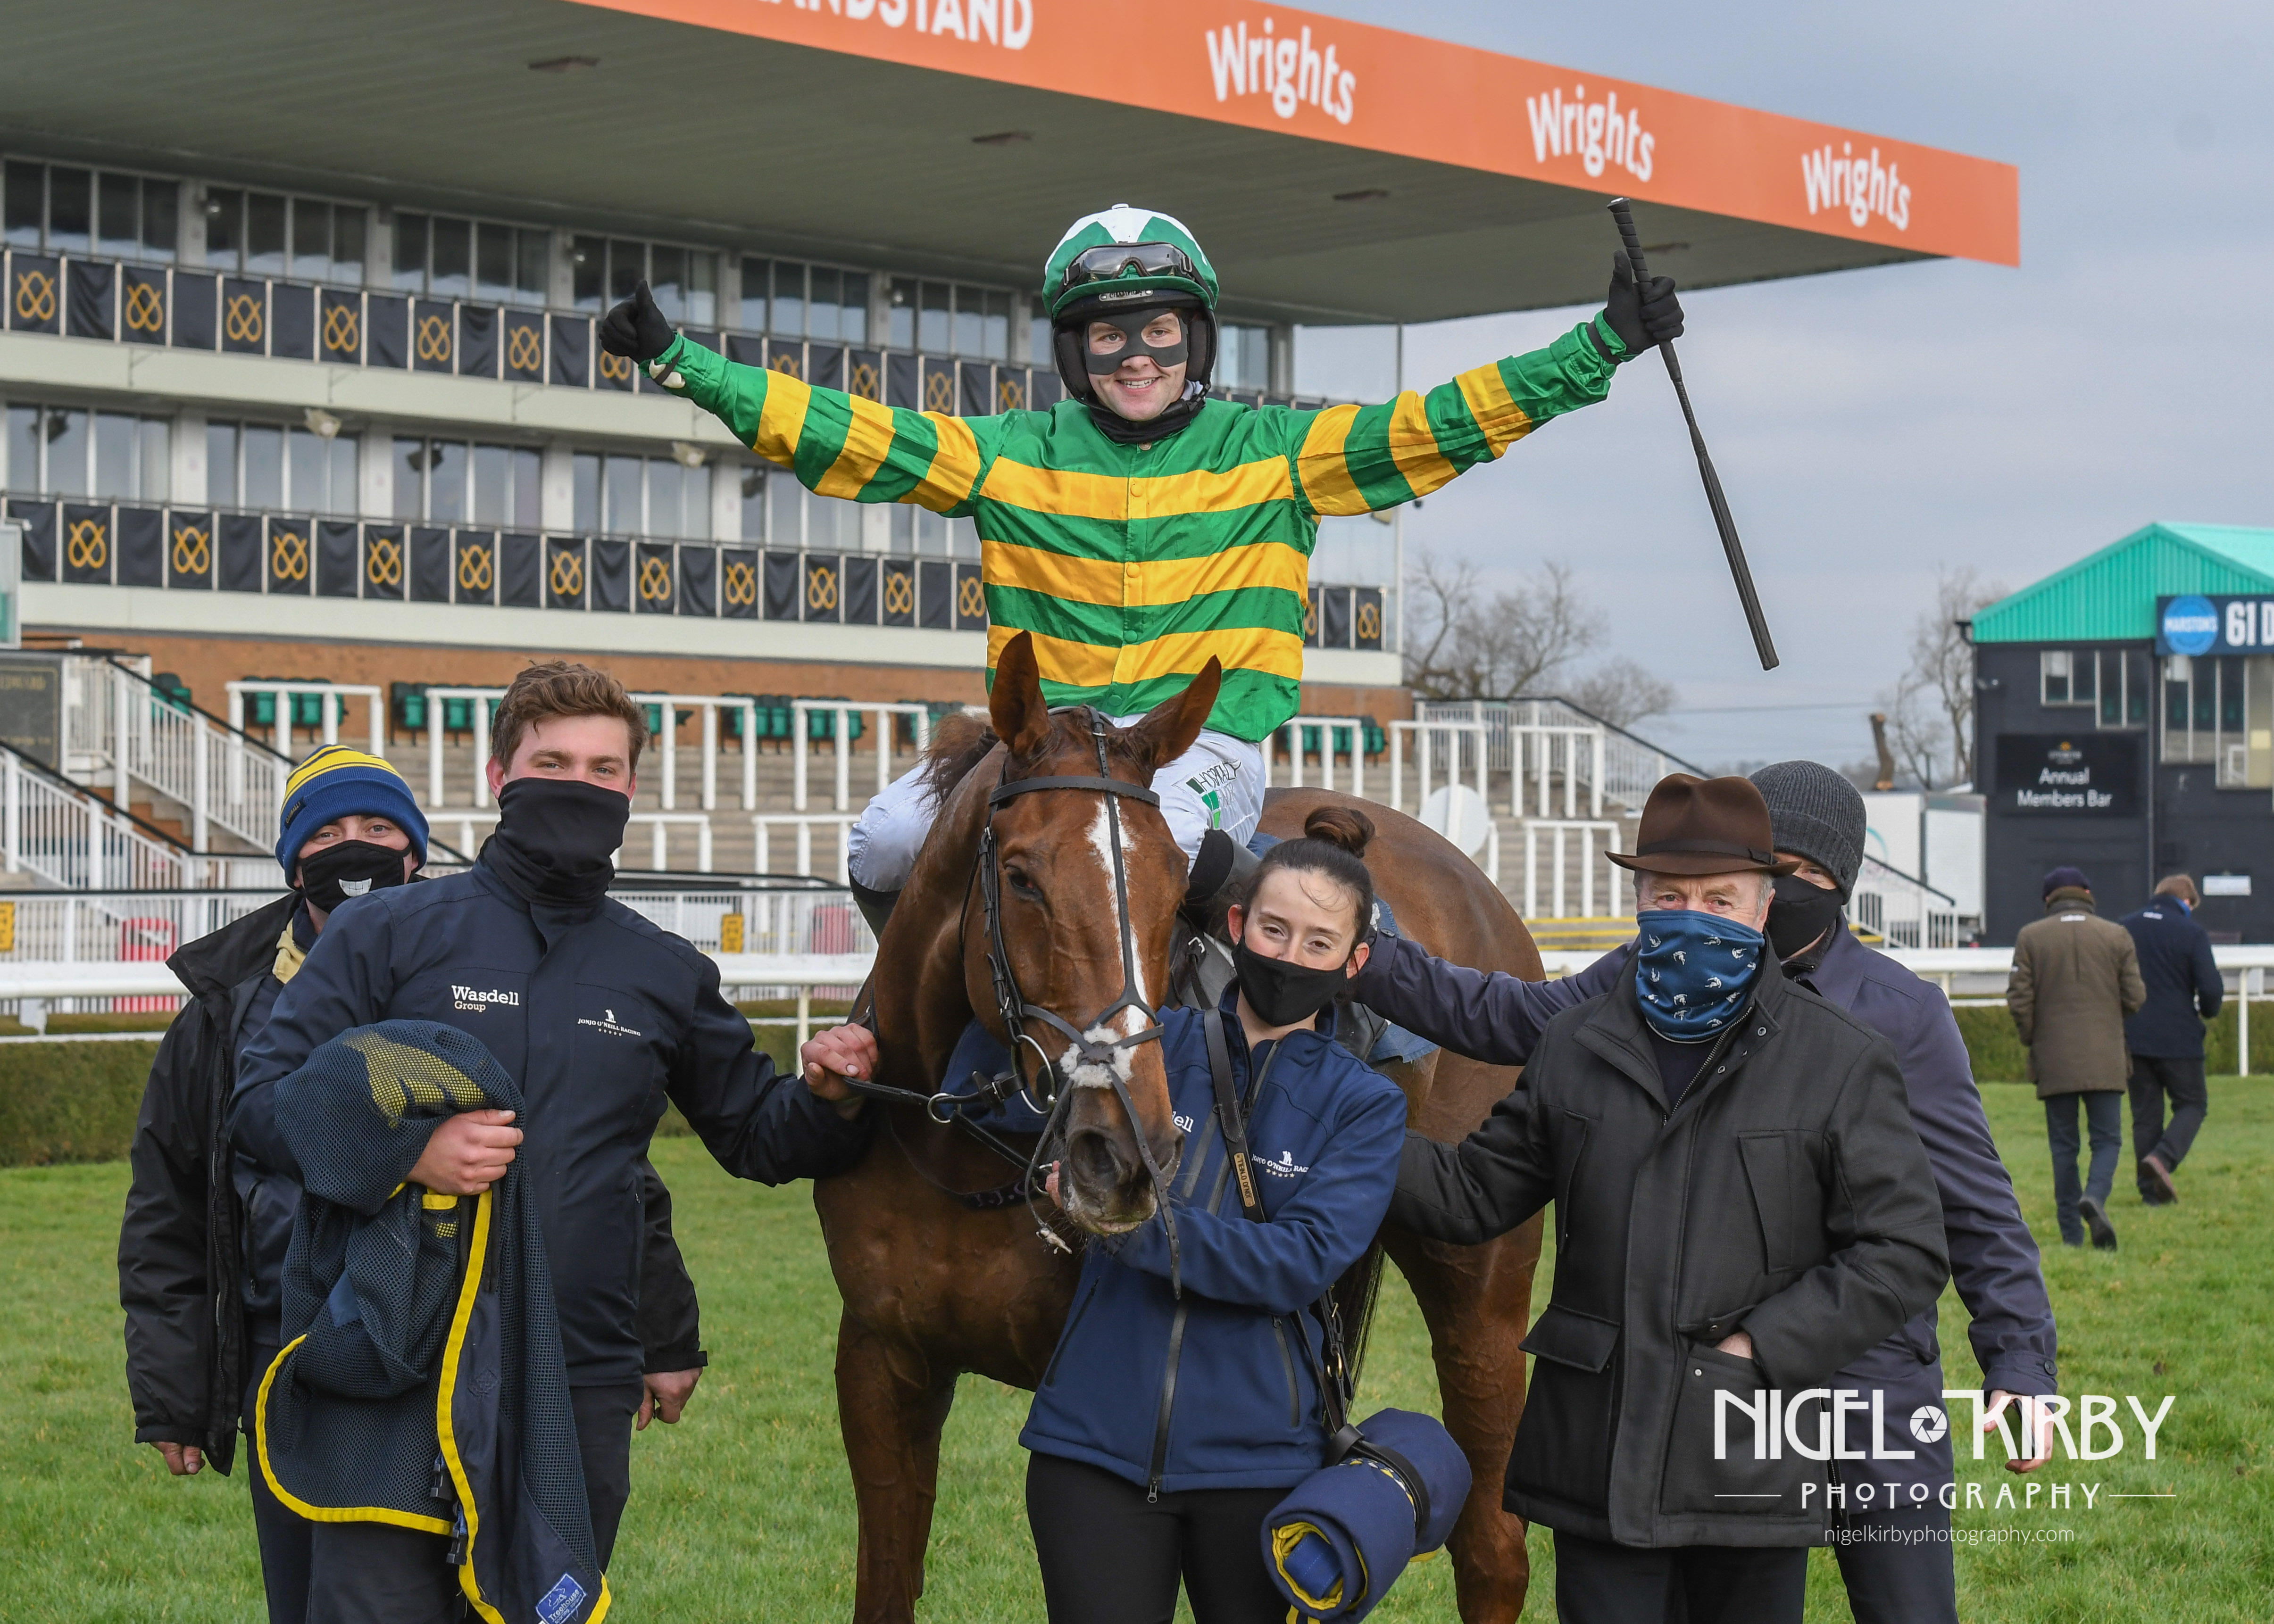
1693	972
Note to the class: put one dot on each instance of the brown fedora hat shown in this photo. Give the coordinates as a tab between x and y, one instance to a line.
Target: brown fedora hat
1704	826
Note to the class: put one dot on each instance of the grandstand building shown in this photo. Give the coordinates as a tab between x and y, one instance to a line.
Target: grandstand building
308	433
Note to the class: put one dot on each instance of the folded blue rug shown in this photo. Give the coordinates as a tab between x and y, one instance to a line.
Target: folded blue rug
1337	1544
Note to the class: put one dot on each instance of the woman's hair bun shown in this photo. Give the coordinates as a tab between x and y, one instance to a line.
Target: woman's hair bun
1344	827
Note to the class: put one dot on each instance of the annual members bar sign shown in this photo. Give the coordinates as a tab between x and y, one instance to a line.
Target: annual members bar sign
2093	775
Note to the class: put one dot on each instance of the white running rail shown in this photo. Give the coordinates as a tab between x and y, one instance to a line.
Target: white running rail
1353	727
1591	840
842	711
223	779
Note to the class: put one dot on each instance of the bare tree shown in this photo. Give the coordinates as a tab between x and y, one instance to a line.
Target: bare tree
1624	694
1461	644
1931	706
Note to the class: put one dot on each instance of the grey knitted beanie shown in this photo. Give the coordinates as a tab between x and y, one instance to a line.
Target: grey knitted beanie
1816	813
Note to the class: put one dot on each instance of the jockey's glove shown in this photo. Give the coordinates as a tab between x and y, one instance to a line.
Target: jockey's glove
637	328
1642	316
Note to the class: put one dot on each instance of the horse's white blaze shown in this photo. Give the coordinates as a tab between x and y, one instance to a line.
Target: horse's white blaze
1129	1022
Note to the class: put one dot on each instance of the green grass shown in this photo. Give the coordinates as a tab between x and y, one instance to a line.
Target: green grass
744	1510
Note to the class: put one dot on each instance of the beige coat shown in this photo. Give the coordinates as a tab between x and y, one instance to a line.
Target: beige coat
2076	976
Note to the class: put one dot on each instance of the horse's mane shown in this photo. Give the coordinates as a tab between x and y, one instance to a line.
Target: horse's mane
959	743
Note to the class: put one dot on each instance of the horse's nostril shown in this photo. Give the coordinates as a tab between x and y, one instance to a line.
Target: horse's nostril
1093	1161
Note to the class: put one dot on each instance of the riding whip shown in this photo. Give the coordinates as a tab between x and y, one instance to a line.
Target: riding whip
1722	521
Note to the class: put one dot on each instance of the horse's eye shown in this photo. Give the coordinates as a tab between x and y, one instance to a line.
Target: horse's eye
1020	882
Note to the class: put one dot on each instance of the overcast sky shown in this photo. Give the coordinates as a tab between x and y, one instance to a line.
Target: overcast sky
1873	424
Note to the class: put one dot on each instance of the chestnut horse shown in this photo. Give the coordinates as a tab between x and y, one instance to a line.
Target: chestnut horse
935	1285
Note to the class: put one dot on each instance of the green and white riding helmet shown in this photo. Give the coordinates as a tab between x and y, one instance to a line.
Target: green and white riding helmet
1127	259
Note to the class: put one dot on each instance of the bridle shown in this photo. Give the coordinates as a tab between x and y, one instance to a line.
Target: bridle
1018	1011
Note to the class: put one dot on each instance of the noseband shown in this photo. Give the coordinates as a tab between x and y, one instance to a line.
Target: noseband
1017	1013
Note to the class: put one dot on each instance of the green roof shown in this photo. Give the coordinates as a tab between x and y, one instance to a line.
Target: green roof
2111	594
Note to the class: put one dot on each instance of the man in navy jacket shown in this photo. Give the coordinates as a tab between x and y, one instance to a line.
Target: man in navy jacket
2166	1035
601	1018
1892	1554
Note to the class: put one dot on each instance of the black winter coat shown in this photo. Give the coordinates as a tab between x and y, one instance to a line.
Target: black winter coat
2185	988
185	1251
1785	1194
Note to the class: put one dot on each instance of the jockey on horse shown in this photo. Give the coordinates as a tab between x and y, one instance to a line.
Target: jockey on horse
1139	527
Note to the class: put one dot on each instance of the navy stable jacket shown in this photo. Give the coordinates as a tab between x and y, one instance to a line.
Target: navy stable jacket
1216	1390
2184	986
1993	1257
601	1017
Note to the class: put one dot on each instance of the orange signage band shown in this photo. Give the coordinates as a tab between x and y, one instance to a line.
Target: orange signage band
1275	68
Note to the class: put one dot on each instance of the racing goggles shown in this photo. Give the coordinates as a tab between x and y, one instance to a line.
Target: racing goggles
1113	261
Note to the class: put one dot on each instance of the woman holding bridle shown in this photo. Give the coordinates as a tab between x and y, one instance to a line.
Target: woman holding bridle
1167	1426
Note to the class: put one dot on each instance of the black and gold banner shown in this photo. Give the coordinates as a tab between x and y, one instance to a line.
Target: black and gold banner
1335	618
970	599
524	347
1311	617
564	573
978	388
824	587
387	323
1366	621
86	543
194	311
1043	389
434	340
738	583
35	294
385	571
898	590
243	316
860	589
478	341
747	348
613	371
189	551
88	292
292	322
939	391
521	571
242	551
864	374
936	601
39	522
140	540
825	365
698	582
1012	390
339	561
339	325
612	576
786	355
430	566
572	350
288	556
473	567
782	586
903	384
657	588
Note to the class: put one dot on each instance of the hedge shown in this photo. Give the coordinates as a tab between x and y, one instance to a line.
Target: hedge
77	1102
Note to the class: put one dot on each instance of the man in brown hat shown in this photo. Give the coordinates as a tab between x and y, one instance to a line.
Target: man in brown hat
1742	1209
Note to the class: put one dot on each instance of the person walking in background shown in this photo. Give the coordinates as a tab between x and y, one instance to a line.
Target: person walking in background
2076	976
2165	1037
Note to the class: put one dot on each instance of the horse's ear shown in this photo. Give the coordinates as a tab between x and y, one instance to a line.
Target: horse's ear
1021	717
1170	728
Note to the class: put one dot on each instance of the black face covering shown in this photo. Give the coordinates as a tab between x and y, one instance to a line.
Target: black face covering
1800	912
554	840
1132	324
349	868
1282	991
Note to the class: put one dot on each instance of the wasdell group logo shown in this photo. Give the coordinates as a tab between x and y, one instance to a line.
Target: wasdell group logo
1288	67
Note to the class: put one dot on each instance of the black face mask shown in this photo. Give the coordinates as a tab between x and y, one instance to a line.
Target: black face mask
1800	912
1282	991
1133	326
554	840
349	868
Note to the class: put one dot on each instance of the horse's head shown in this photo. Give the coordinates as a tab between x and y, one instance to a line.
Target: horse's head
1075	944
